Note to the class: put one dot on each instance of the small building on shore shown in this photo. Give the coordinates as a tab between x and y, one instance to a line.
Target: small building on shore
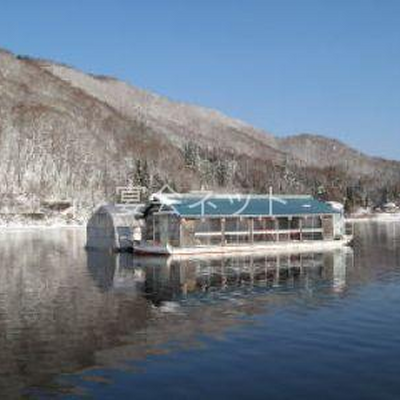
114	227
206	222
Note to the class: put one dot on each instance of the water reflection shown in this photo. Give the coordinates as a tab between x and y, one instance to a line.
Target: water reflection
376	252
52	318
63	309
167	279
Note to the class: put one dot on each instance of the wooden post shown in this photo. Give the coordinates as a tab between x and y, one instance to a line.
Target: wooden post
223	232
277	229
154	229
251	270
277	271
301	228
181	239
251	229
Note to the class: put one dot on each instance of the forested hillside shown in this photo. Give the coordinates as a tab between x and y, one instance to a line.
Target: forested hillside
67	135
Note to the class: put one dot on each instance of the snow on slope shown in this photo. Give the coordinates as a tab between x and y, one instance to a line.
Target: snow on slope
180	122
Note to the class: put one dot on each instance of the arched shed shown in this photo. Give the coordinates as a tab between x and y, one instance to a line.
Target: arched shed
113	227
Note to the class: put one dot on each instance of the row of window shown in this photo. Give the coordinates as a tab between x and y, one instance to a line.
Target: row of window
241	239
259	224
167	229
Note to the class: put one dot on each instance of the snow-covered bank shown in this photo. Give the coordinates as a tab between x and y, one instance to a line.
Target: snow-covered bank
25	228
22	222
379	217
43	219
6	228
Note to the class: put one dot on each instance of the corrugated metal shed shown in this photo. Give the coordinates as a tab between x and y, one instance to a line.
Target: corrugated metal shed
111	226
243	205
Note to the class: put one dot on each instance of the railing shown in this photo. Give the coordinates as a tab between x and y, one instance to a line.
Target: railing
265	232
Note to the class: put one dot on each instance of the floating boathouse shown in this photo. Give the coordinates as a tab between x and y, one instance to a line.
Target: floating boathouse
218	223
112	227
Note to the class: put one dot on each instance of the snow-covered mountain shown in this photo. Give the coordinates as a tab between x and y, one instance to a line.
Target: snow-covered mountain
65	134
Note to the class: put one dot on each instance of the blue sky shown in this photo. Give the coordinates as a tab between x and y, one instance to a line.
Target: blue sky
288	66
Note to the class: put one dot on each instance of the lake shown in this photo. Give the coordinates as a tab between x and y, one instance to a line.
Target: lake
78	324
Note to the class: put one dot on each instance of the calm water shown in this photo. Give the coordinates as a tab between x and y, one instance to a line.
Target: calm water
90	325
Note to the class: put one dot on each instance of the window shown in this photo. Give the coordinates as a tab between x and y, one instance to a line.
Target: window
231	224
200	226
208	231
263	224
174	230
243	225
283	224
149	229
237	230
215	225
284	237
295	223
264	228
312	222
156	228
312	236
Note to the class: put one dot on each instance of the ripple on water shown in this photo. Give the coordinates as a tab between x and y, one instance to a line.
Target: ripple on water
307	327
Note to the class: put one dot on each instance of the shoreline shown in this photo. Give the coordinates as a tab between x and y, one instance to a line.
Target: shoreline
12	226
33	227
375	217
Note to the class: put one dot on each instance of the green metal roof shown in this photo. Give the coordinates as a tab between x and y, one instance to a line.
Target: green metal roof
210	205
